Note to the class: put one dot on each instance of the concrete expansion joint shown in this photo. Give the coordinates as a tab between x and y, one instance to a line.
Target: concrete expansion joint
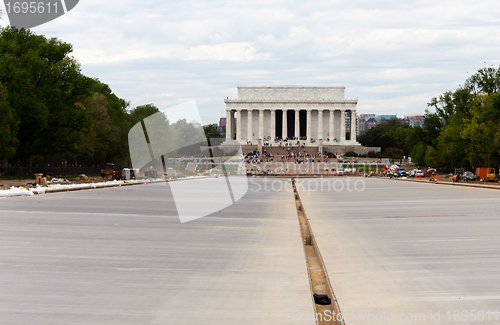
318	276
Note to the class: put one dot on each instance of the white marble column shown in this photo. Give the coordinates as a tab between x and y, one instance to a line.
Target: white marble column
297	124
238	124
353	125
261	123
273	124
284	124
332	126
229	124
308	131
320	124
342	125
250	125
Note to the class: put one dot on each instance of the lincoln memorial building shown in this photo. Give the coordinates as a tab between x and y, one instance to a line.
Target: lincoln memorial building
313	115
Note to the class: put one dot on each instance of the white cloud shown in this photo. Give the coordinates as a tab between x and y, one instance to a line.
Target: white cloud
243	51
139	50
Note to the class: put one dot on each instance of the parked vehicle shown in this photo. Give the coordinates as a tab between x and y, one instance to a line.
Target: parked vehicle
468	177
401	172
486	174
391	172
419	173
125	174
415	172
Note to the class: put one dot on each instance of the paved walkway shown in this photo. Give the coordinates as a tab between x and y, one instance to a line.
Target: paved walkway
410	250
121	256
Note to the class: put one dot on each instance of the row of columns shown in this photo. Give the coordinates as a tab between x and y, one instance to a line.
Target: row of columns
230	126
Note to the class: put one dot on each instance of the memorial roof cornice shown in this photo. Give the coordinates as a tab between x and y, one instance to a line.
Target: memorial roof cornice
292	87
285	101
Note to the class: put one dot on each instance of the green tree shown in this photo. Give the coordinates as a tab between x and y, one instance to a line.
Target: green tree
424	140
393	153
8	127
211	131
187	138
471	115
418	153
139	113
432	126
43	84
187	134
388	134
414	136
452	144
482	131
433	157
114	130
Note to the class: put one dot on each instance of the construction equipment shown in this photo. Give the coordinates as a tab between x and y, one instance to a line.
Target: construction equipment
109	172
431	172
486	174
151	174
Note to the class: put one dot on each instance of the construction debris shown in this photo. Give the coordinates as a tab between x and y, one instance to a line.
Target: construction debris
322	299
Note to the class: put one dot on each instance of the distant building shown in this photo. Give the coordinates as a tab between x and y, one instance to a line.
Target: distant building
367	121
414	120
388	117
361	121
372	122
222	125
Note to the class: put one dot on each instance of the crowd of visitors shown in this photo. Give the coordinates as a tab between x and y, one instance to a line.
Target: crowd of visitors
269	142
289	155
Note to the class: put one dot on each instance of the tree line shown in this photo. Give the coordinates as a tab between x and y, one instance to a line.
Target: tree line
462	131
51	114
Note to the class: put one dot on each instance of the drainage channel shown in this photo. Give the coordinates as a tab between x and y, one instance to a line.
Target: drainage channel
318	279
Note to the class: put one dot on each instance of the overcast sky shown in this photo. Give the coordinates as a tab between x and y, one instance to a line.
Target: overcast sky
393	56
